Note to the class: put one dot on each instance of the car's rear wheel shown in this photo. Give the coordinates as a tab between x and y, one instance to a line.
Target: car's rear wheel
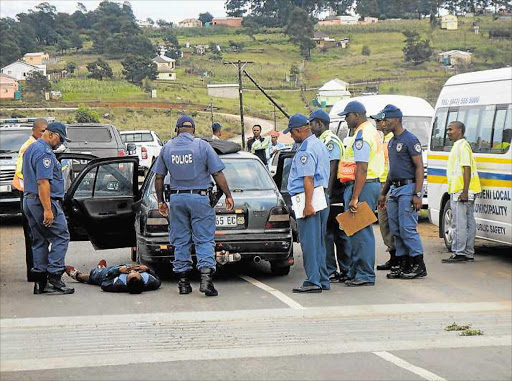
446	225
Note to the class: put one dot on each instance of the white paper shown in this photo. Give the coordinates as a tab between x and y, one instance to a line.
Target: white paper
318	202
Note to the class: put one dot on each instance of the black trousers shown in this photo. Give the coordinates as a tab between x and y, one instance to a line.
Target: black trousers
28	243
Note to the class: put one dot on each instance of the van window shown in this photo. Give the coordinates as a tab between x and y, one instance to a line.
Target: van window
89	134
488	128
137	137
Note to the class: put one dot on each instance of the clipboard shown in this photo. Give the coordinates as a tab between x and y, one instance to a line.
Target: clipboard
351	223
318	202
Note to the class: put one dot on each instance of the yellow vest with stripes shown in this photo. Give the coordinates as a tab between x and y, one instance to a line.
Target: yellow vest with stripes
372	137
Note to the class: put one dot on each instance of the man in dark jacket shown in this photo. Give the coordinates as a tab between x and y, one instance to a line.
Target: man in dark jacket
133	278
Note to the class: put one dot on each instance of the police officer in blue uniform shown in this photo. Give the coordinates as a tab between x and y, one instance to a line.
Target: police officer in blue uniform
404	184
43	194
310	169
191	162
336	240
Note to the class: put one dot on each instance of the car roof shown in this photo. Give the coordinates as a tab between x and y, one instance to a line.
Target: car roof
239	155
90	125
15	128
135	132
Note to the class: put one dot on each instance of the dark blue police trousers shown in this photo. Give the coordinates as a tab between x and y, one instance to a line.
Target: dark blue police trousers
49	245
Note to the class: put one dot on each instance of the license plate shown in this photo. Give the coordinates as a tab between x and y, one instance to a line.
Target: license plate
7	188
225	220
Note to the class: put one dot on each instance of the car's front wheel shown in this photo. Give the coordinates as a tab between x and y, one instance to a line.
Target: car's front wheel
446	225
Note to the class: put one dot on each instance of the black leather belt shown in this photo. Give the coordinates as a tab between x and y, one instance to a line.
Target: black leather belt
202	192
367	181
34	196
402	182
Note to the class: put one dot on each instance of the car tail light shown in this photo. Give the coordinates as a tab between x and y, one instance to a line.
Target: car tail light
144	153
156	223
121	153
279	218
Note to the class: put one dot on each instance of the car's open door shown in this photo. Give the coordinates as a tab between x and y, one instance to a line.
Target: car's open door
99	202
281	179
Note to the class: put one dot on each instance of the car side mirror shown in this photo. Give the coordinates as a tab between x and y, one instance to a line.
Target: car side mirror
131	148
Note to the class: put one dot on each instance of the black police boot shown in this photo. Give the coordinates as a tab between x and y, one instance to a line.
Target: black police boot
388	264
402	267
57	286
184	283
418	269
40	281
206	285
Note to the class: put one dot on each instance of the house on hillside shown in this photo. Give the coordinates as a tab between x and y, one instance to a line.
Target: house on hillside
322	40
19	70
166	68
190	23
339	20
235	22
8	86
37	58
332	92
369	21
455	58
449	22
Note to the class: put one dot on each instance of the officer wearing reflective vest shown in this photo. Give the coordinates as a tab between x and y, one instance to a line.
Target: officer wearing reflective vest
191	163
335	239
310	171
43	194
385	231
38	128
404	200
360	170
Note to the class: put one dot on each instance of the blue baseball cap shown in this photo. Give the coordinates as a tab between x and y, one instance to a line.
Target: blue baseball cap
354	106
216	126
391	111
320	115
184	119
296	121
60	129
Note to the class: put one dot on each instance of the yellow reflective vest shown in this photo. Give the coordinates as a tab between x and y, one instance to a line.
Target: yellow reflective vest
17	180
461	156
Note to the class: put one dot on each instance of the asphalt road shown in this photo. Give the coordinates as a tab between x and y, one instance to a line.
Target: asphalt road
257	328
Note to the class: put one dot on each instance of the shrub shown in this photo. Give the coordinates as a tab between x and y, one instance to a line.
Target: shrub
86	115
366	51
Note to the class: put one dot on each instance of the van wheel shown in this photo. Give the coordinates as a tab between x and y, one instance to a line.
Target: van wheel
447	225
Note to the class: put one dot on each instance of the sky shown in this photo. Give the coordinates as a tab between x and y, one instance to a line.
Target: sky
169	10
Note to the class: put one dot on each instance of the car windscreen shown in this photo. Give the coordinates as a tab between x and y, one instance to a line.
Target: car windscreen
137	137
418	126
89	134
11	141
247	174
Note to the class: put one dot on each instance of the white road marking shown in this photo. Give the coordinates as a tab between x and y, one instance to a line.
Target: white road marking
278	294
423	373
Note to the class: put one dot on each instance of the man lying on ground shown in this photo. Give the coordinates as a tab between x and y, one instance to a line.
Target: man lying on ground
132	278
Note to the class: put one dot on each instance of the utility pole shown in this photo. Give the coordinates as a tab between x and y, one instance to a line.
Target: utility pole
170	124
240	65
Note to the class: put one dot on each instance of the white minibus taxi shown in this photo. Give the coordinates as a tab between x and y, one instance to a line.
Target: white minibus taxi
483	102
417	118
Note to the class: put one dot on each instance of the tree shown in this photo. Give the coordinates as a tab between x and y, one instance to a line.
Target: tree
71	67
300	29
215	52
37	82
99	69
416	50
136	68
235	8
86	115
366	50
205	17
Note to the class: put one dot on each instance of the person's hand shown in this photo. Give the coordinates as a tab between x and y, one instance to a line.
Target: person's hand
230	204
352	205
417	202
463	197
163	209
48	218
124	270
143	268
382	201
309	210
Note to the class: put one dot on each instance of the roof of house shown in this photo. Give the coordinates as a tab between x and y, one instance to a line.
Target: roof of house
189	20
319	34
34	54
5	76
454	52
228	18
22	63
334	85
163	59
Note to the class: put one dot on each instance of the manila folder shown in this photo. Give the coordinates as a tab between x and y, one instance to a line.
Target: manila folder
318	202
351	223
